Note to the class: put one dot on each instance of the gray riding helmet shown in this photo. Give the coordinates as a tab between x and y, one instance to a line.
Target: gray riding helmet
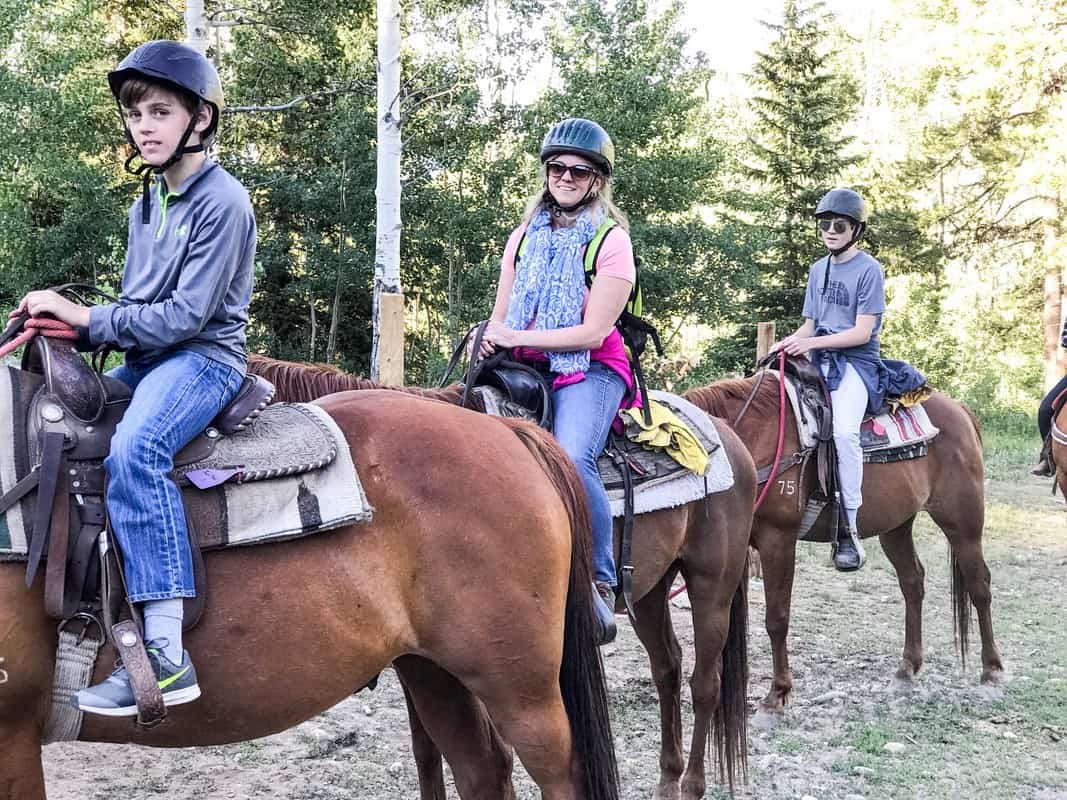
582	137
842	202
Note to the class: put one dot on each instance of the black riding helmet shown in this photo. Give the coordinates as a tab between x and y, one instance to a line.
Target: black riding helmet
846	203
584	138
182	69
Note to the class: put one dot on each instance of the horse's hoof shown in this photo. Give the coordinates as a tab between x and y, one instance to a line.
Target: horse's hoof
766	719
992	687
994	677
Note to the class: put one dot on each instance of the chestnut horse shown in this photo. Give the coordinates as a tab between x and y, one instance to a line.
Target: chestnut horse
947	483
497	592
705	541
1059	449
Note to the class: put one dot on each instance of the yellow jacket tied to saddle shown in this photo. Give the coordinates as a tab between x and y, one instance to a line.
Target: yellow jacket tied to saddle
667	433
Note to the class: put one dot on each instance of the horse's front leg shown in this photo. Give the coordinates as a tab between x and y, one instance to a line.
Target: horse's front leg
777	547
656	632
899	547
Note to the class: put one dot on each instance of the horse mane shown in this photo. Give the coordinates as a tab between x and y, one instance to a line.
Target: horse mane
296	382
724	398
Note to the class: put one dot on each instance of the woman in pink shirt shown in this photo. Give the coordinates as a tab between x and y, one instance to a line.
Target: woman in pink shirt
548	316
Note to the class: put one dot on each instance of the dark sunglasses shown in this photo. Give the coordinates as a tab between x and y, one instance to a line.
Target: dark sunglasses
579	172
839	225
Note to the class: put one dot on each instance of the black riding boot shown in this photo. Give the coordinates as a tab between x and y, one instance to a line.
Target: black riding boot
1044	468
847	552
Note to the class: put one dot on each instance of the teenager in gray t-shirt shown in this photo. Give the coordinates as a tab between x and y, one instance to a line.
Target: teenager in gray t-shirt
854	286
843	308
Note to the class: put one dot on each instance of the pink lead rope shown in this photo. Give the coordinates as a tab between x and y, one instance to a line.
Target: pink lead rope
45	326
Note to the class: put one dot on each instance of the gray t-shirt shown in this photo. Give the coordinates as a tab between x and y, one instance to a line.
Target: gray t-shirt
856	286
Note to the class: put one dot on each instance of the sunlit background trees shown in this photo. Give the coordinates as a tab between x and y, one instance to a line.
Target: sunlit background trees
947	115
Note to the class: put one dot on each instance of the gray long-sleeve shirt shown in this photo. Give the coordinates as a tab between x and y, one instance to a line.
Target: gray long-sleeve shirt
188	277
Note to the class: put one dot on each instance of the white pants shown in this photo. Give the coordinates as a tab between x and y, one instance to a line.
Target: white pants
850	406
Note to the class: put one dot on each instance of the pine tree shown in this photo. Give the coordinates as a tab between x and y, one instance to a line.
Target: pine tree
799	105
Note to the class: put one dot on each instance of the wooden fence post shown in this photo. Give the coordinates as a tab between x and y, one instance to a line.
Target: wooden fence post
765	337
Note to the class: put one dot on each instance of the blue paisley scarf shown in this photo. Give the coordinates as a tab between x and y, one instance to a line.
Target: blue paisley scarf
550	282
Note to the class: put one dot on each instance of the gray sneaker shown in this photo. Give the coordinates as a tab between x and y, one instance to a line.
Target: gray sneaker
114	697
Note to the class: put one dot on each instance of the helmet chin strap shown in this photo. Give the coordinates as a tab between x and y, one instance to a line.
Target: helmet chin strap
558	210
146	170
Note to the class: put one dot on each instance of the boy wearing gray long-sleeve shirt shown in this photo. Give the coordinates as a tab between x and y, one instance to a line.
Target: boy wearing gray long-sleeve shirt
181	320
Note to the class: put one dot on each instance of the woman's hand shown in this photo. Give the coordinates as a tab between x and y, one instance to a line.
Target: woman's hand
497	334
48	302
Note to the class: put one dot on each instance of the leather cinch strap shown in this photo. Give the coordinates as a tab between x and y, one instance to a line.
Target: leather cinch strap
55	576
51	458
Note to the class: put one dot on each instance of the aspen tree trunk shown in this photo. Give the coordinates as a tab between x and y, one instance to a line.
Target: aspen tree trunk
196	25
1055	255
387	352
335	313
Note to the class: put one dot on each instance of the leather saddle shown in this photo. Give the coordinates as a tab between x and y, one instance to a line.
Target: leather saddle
71	414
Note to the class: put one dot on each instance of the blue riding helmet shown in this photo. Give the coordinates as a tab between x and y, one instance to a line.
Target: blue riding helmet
582	137
175	64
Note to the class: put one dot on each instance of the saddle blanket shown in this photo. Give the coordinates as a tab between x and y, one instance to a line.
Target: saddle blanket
677	486
280	508
905	427
228	514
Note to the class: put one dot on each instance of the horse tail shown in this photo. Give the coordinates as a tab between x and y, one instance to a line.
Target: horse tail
730	724
961	598
581	675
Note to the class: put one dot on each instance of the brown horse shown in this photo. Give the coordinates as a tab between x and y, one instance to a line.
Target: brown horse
1059	448
495	592
947	483
705	541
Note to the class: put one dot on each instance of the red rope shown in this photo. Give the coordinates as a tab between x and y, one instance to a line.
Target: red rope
52	328
781	430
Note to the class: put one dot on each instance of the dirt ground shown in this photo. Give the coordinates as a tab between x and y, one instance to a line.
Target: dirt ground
845	736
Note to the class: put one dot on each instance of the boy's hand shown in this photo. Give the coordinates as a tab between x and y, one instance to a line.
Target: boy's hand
48	302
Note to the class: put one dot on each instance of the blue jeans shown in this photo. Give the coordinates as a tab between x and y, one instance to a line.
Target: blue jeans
173	400
583	415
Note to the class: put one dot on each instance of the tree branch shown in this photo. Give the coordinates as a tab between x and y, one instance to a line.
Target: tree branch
304	98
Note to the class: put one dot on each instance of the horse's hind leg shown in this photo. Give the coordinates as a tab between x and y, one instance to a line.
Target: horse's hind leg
656	632
962	521
899	547
444	714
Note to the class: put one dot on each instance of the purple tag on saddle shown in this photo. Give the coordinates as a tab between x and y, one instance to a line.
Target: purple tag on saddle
206	478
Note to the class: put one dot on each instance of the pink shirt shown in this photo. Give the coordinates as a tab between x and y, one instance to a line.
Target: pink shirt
616	259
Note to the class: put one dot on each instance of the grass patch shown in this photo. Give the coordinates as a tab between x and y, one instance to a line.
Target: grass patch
872	740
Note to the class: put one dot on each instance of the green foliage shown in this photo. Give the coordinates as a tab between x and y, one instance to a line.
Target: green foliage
954	139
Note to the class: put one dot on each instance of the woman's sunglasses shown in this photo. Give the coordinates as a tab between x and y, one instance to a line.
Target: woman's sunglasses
839	226
579	172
